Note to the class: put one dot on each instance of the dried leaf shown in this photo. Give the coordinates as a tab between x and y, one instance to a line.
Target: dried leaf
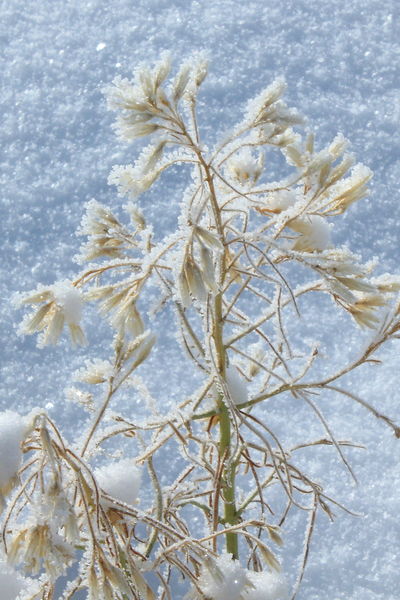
357	284
269	557
207	268
39	321
274	533
208	239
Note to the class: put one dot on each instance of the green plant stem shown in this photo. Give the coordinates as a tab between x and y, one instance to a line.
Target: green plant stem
159	505
228	486
224	448
225	437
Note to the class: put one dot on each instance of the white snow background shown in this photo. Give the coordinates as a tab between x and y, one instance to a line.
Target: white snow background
341	61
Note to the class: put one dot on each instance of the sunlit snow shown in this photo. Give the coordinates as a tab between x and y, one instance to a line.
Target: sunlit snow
340	61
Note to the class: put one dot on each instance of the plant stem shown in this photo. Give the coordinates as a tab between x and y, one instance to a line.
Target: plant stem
228	485
99	416
159	505
224	449
225	437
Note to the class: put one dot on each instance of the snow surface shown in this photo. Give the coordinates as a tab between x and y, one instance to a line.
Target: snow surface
10	582
341	62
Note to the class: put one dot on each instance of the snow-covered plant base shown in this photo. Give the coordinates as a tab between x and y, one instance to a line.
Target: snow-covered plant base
245	253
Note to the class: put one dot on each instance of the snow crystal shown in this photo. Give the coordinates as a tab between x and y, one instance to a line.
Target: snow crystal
120	479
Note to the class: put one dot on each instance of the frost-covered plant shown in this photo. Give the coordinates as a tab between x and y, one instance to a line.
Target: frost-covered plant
226	271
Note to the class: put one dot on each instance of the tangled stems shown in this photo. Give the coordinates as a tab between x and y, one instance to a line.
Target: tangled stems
226	271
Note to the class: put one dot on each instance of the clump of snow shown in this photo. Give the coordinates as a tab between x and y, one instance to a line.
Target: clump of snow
95	371
315	233
11	582
245	167
12	431
281	200
237	385
226	579
223	580
267	586
70	300
120	479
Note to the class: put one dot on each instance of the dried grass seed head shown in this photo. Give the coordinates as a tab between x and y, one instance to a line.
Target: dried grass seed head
63	306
